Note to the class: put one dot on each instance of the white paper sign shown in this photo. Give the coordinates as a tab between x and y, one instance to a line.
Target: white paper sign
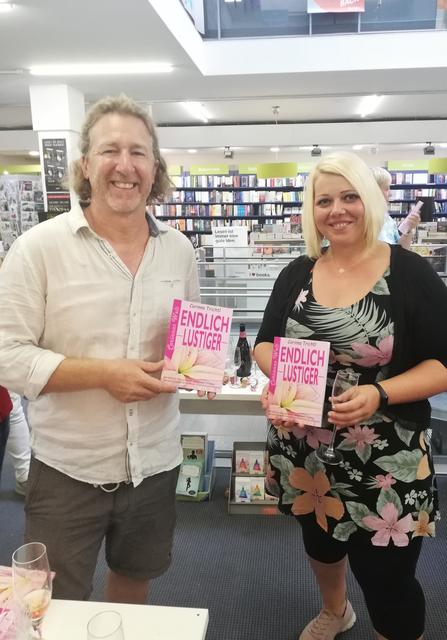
230	236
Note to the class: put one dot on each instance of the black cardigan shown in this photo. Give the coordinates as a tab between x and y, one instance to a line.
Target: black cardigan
419	312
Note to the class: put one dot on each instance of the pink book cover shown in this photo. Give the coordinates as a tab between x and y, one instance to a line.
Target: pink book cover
197	345
298	380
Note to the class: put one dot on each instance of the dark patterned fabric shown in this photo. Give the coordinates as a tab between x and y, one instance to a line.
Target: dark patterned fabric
384	488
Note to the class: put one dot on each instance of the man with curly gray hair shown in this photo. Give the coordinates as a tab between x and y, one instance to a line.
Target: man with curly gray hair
82	337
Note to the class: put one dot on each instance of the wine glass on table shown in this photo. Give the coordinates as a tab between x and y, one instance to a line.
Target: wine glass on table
105	625
32	584
344	380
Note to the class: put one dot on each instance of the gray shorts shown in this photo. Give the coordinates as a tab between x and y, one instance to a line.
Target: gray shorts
72	518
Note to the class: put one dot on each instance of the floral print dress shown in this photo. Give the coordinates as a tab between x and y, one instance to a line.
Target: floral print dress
384	488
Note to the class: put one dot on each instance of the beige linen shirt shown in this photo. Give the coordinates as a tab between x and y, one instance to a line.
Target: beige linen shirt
66	293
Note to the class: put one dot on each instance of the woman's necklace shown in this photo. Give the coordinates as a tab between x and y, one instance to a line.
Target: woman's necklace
342	270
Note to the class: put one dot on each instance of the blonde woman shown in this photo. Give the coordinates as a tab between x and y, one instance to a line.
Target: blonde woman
382	309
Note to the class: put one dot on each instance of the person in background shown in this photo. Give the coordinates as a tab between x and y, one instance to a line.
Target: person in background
82	335
390	232
18	445
383	311
5	410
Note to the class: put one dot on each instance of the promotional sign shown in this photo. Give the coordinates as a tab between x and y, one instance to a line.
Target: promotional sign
55	169
335	6
209	170
230	236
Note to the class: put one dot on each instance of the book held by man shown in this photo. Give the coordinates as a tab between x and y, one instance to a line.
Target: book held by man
298	380
197	345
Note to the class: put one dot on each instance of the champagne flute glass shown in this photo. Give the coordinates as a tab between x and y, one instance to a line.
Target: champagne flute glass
237	361
106	625
32	583
253	380
230	369
343	381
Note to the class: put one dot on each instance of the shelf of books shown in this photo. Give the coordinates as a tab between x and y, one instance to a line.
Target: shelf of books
409	186
230	197
247	493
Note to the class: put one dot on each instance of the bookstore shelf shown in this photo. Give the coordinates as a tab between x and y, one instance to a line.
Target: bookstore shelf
200	203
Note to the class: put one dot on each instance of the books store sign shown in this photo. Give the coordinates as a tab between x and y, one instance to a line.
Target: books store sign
335	6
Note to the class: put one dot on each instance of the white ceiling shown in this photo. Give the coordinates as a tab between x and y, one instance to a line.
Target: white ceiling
68	31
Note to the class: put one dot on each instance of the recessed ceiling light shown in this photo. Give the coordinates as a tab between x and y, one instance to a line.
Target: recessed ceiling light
120	68
197	110
275	149
357	147
369	104
34	154
192	150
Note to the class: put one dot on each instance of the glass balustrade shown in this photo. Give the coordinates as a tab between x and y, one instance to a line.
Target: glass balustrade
268	18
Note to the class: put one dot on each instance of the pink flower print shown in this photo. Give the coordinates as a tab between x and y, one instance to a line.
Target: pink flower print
360	436
194	364
370	356
384	482
290	399
313	435
302	298
389	526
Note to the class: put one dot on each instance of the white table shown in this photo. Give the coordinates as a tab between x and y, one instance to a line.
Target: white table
238	401
67	620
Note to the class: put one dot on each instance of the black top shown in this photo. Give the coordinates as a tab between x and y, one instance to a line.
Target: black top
419	309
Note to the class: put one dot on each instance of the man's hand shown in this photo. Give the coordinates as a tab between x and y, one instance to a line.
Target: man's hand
135	380
354	406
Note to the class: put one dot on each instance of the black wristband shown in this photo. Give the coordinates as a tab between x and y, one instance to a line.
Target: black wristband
383	406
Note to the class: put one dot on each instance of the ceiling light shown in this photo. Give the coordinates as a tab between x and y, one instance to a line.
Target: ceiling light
192	150
369	104
357	147
275	149
120	68
197	110
5	7
34	154
5	173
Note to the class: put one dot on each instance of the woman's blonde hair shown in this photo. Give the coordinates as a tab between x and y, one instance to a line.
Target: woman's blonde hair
360	177
122	105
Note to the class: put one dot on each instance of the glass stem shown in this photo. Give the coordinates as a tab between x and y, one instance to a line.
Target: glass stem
331	444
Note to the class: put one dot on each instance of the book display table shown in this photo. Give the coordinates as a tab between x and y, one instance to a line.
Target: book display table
240	401
68	619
